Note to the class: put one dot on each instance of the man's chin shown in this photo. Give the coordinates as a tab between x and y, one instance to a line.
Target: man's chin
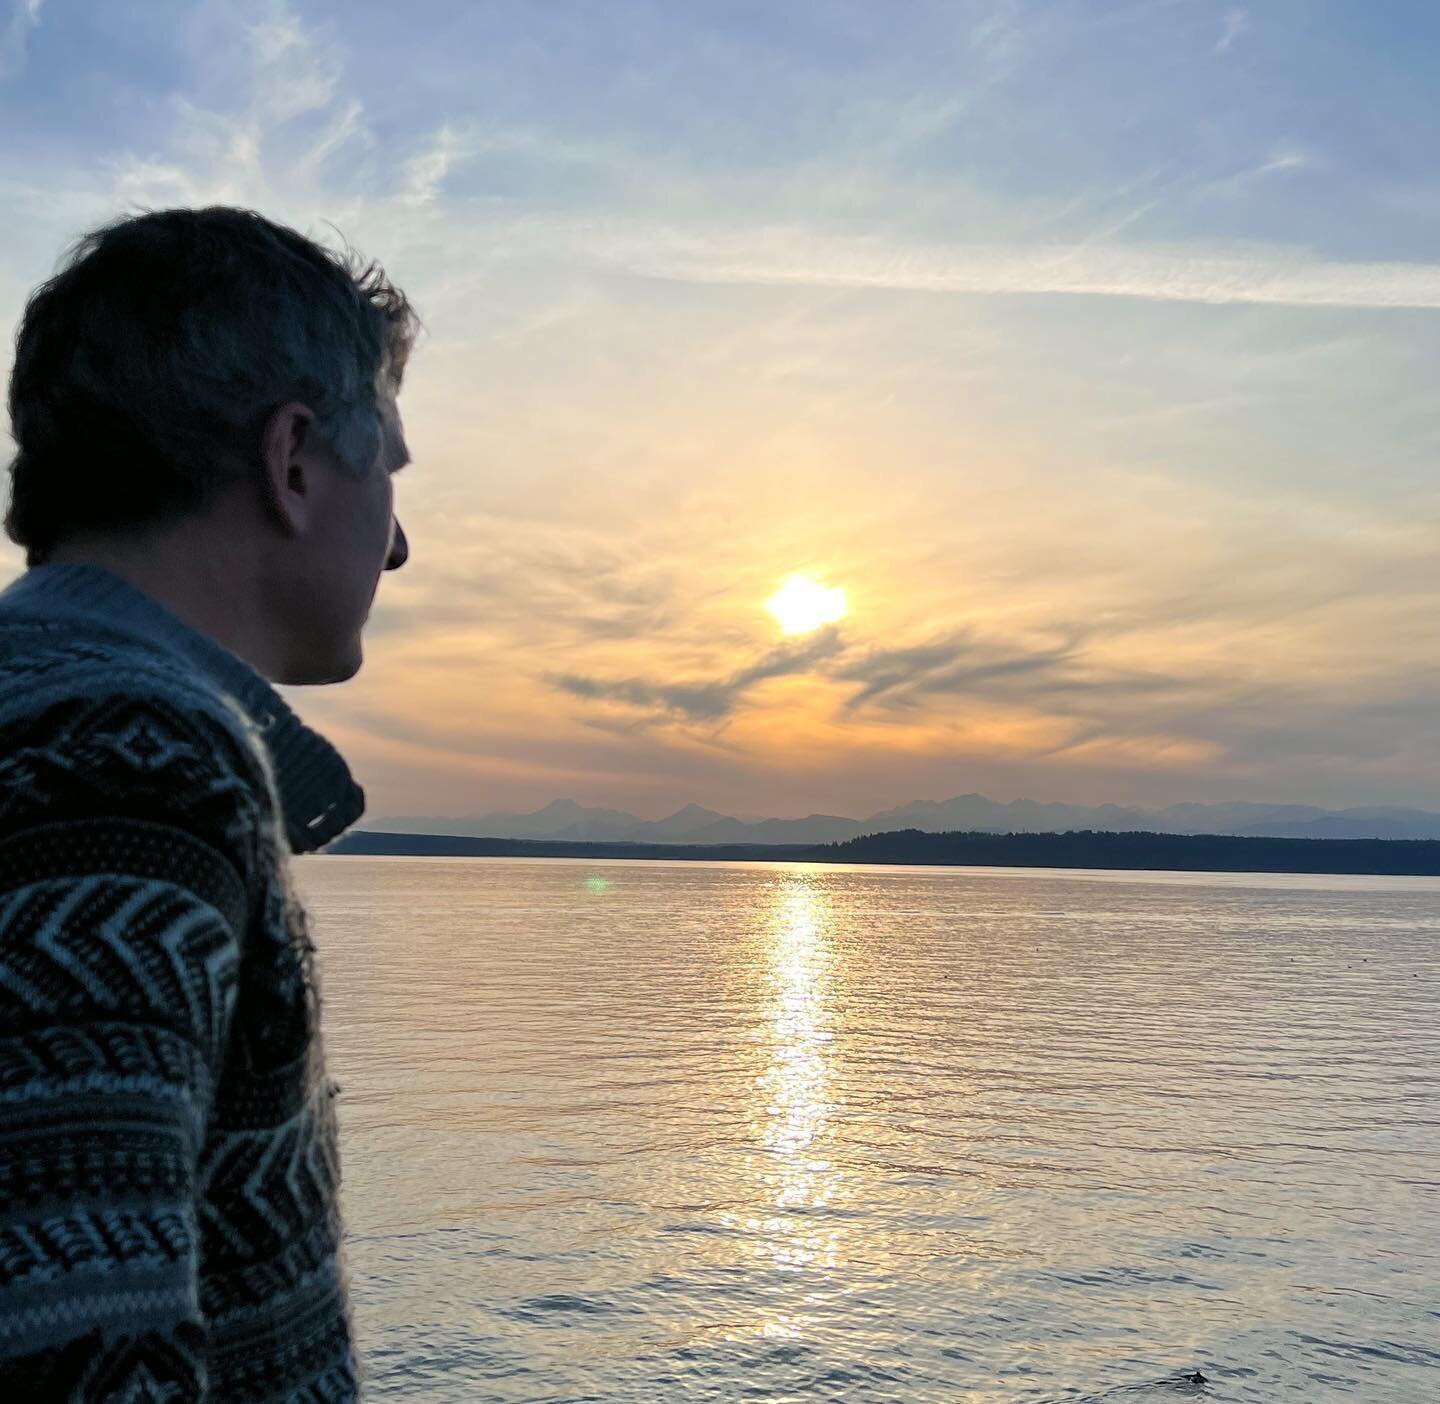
318	672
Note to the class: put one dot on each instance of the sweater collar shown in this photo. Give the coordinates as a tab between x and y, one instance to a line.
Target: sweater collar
319	796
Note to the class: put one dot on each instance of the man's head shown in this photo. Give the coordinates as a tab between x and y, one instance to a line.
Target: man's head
203	381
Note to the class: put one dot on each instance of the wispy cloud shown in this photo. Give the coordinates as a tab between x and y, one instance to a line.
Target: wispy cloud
962	664
999	37
526	582
703	701
300	135
295	72
15	34
1234	25
1283	160
800	257
296	139
425	172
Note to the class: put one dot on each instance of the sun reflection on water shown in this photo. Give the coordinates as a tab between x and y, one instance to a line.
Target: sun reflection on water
795	1101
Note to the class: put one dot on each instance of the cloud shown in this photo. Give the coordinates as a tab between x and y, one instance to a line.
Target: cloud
900	679
999	38
295	72
1283	160
299	123
959	664
527	583
15	34
300	141
803	257
277	148
706	701
425	172
1234	25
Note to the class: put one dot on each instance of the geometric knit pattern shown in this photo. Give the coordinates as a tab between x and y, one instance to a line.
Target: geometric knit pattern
169	1225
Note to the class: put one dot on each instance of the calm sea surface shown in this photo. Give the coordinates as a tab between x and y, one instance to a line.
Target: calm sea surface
646	1131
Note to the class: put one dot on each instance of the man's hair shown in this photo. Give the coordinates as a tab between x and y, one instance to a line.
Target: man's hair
146	368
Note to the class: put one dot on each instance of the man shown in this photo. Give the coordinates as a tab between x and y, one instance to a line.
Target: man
203	404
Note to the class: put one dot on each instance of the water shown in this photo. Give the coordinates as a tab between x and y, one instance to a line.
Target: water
642	1131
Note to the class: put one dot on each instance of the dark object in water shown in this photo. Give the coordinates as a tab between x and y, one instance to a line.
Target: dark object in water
1196	1378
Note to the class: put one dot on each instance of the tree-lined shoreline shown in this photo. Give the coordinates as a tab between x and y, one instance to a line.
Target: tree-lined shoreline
1081	849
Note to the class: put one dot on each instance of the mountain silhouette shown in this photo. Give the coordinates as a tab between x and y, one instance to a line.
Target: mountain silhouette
569	821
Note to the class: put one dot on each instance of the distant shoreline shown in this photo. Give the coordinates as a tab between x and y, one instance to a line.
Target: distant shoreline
1141	852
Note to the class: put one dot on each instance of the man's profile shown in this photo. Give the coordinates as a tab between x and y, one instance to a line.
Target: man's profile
203	406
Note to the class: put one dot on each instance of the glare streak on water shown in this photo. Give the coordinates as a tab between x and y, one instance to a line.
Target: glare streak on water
643	1131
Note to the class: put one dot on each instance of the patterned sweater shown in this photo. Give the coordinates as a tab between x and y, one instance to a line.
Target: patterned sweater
168	1216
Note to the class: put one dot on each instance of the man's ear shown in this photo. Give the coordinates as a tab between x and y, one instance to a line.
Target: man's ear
289	463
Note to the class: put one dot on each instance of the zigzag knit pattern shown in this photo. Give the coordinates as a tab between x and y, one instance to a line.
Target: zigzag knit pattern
168	1173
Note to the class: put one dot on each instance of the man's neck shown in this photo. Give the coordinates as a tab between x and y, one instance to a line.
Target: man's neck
206	583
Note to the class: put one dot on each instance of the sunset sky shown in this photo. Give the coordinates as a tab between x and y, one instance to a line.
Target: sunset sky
1092	349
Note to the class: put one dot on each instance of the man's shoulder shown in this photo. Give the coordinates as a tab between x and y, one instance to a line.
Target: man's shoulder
43	665
95	724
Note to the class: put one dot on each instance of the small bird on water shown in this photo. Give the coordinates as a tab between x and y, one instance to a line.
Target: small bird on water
1197	1378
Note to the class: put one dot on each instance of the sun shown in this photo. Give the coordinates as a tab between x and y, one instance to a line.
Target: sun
802	604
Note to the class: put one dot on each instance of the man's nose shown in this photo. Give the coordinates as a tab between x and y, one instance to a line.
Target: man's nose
399	546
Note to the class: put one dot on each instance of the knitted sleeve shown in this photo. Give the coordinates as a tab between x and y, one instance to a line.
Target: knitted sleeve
127	845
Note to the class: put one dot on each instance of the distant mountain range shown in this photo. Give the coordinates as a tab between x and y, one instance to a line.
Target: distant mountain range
565	820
